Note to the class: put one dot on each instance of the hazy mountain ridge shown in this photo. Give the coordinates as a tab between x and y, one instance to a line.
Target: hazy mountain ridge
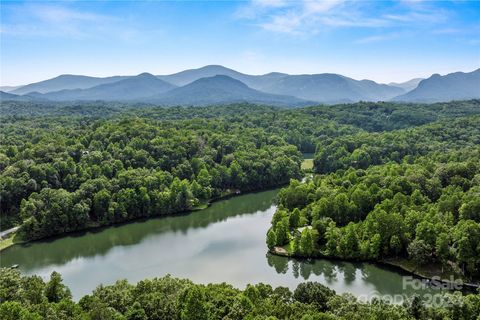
407	85
65	82
131	88
437	88
332	88
7	96
325	87
273	88
253	81
222	89
190	75
8	88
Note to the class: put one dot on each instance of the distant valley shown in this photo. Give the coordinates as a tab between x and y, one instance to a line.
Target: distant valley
216	84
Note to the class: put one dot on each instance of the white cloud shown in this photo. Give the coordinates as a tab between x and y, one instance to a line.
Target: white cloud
308	16
288	22
56	14
415	17
299	17
52	20
312	16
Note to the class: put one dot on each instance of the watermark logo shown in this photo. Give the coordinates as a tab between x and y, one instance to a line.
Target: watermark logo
387	298
424	289
434	283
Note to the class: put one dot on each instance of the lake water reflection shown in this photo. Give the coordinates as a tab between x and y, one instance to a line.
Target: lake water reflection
223	243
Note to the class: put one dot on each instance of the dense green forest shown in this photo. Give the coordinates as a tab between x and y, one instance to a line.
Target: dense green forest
107	163
59	179
301	127
411	193
392	181
30	298
362	150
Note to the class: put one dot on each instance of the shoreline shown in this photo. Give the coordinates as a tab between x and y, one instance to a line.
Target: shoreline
9	242
419	274
466	286
395	264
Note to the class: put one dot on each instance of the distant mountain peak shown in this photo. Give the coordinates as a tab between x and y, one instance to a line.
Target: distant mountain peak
66	75
215	66
146	75
220	78
438	88
129	89
222	89
188	76
66	82
276	74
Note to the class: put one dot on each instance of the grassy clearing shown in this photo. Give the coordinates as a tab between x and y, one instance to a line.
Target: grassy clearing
307	164
10	241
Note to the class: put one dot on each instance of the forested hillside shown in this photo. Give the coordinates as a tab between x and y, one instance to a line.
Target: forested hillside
362	150
60	177
411	193
392	181
108	163
333	173
302	127
167	298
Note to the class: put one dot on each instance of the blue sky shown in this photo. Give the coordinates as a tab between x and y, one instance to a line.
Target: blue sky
380	40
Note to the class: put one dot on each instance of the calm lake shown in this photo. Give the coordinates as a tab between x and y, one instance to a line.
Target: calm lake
223	243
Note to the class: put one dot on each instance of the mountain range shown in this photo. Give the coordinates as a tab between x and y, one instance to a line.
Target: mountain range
216	84
65	81
221	89
127	89
437	88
